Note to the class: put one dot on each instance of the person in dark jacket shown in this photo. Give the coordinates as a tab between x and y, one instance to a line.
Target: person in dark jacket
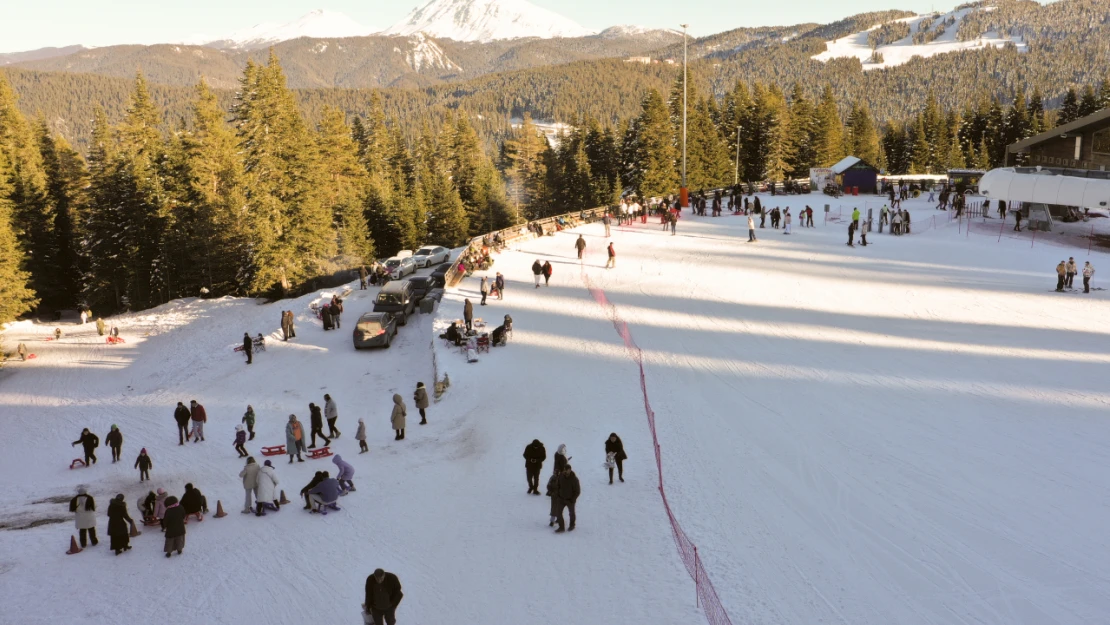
534	455
248	347
119	525
580	246
248	419
316	420
468	314
612	262
89	442
181	415
561	459
194	502
383	595
420	399
362	278
614	445
546	272
319	477
143	463
537	271
567	489
553	493
173	524
499	282
114	440
199	417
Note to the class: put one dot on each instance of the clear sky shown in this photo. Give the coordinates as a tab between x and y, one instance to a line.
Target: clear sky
31	24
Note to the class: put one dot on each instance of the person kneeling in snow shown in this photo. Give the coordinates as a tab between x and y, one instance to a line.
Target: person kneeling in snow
346	472
193	502
319	477
324	494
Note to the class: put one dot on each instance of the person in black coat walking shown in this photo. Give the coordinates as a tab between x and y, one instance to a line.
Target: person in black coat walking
567	489
114	440
614	446
143	463
119	525
89	442
468	314
173	523
181	415
534	455
316	419
383	596
248	347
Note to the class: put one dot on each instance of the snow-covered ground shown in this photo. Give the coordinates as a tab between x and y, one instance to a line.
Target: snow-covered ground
901	51
911	432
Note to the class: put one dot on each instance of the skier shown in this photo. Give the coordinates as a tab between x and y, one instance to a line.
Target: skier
316	421
89	442
294	439
240	441
561	459
248	347
568	489
173	523
468	313
484	288
200	417
331	413
144	464
534	456
863	233
360	436
546	273
1061	271
250	482
319	477
1071	271
614	454
580	245
194	502
265	491
855	217
537	271
499	281
397	418
852	234
114	440
383	595
119	525
612	262
345	475
181	415
1088	272
84	507
420	400
751	230
248	418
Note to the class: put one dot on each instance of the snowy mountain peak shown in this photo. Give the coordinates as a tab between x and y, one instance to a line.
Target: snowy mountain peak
486	20
318	24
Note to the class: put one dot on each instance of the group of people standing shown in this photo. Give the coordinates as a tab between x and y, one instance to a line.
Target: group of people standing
564	487
1066	271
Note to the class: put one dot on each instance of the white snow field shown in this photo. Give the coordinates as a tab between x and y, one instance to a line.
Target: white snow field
913	432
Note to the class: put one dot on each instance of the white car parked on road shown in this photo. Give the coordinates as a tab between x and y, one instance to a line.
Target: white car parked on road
400	267
430	255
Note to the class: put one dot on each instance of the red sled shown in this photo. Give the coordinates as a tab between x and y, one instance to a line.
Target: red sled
113	340
276	450
77	462
322	452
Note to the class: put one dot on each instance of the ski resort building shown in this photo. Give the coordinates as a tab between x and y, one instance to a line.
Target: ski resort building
1083	144
853	173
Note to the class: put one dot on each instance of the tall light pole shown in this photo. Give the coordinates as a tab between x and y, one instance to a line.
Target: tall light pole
683	193
736	174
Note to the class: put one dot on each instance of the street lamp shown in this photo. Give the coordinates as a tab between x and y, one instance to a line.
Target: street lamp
736	173
683	192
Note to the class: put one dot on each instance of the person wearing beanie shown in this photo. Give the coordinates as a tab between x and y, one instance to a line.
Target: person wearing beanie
265	493
114	440
173	524
119	525
316	419
84	508
615	456
248	419
420	399
181	416
143	463
360	436
567	490
249	475
240	441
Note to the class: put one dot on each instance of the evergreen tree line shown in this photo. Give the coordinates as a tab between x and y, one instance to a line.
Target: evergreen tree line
247	201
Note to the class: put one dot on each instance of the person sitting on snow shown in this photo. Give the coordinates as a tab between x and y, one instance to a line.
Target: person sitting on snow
324	494
194	503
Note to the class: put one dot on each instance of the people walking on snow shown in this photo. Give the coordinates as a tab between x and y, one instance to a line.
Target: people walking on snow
567	489
383	596
546	272
499	282
561	459
552	491
84	508
248	419
319	477
1069	279
362	278
605	221
534	456
484	289
265	491
114	440
173	522
345	476
360	436
751	230
420	400
119	525
468	314
199	417
896	223
331	413
294	439
240	441
249	474
194	503
181	416
1017	220
809	217
248	347
143	463
84	317
674	222
786	222
615	456
100	327
89	442
397	417
612	262
580	245
537	271
316	421
1088	273
863	233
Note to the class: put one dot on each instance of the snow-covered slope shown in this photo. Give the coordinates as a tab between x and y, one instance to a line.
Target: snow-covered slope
901	51
423	53
486	20
318	24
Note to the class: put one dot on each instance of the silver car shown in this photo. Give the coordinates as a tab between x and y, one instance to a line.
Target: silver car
400	267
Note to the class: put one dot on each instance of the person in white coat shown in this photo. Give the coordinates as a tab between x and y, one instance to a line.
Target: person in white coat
84	508
751	230
265	492
331	413
397	417
360	436
250	481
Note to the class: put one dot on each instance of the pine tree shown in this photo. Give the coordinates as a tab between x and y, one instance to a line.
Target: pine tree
995	134
1017	126
707	159
66	178
652	167
447	220
601	154
523	167
1104	93
1088	104
1069	108
803	134
775	120
1035	113
346	182
16	294
894	144
829	140
920	156
862	140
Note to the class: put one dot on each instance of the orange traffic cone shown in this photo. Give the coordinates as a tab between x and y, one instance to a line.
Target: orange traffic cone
283	500
73	548
220	509
134	531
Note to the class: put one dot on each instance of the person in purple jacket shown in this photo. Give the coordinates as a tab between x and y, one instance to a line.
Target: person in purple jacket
324	495
346	472
240	441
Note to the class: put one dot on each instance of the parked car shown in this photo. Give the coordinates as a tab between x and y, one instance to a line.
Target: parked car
400	267
420	286
441	271
375	329
396	298
404	254
430	255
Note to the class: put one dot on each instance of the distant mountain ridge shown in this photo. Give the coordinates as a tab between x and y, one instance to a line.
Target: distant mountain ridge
486	20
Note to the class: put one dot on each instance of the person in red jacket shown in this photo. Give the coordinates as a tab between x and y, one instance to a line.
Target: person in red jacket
612	262
200	417
546	272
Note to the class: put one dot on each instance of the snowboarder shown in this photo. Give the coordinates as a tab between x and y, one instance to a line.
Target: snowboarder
144	464
84	508
345	475
1061	271
362	278
119	525
614	455
484	288
294	439
546	273
537	271
248	418
1069	279
331	413
612	262
397	418
100	327
240	441
114	440
561	459
420	400
248	347
751	230
200	417
1088	272
360	436
580	245
89	442
534	456
173	523
468	314
194	503
499	282
265	491
181	415
319	477
316	421
249	474
568	489
383	595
